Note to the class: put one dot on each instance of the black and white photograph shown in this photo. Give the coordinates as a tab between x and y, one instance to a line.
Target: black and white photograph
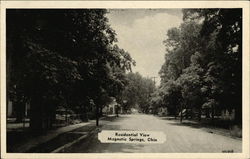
124	80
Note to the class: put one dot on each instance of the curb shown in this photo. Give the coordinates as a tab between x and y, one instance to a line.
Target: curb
57	150
74	142
69	144
214	130
219	132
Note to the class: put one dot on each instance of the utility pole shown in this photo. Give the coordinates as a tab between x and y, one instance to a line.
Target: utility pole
154	79
183	65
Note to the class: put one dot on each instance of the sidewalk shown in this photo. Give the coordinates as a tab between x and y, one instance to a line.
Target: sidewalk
35	141
206	125
53	139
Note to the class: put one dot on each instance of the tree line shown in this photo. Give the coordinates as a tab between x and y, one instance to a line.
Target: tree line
63	57
137	93
202	71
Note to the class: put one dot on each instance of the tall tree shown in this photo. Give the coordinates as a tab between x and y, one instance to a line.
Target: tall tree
223	29
61	57
204	57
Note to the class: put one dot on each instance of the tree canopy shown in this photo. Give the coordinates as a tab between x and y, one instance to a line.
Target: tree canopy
203	62
66	56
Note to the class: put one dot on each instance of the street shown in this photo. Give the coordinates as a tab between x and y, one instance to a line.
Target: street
120	80
179	138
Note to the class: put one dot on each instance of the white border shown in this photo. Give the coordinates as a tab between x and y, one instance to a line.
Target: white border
130	4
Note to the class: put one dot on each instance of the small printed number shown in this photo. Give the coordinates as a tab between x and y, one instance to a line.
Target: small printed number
228	151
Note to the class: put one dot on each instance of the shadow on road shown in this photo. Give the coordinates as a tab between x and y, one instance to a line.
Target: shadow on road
193	125
91	144
112	118
167	118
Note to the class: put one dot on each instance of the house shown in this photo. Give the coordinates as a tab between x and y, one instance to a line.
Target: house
12	109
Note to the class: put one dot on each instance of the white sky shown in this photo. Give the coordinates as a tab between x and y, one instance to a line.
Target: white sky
141	33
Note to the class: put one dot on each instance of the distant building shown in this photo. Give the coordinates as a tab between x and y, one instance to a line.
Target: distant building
162	111
111	108
228	115
9	108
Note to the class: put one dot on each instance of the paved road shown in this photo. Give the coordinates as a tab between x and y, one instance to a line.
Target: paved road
179	138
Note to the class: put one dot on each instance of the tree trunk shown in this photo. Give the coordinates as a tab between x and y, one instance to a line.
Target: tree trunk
66	114
84	116
97	115
100	112
212	113
175	112
41	113
116	111
36	115
50	113
238	115
181	115
207	113
20	111
199	118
